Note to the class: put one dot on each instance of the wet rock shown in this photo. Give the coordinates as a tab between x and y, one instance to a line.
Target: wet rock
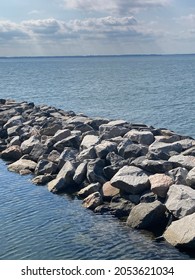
190	179
12	153
92	201
90	189
131	179
178	175
160	184
180	201
187	162
22	164
147	216
108	191
42	179
181	233
144	137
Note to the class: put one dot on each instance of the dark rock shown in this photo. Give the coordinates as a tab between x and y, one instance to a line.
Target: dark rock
95	171
12	153
153	166
80	173
46	167
42	179
104	148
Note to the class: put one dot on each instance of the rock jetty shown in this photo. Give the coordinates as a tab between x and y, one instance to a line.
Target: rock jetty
141	174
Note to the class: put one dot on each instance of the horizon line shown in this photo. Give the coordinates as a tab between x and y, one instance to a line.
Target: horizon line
93	55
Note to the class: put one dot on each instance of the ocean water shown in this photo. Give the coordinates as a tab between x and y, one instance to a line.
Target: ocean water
155	90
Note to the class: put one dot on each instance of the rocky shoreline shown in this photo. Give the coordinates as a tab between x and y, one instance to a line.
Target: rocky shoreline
143	175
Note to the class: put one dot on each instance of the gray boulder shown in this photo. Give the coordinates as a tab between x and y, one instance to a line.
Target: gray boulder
42	179
56	185
29	144
167	148
80	173
147	216
144	137
178	175
87	154
95	171
45	167
110	131
190	179
104	148
131	179
61	135
181	233
153	166
89	141
187	162
180	200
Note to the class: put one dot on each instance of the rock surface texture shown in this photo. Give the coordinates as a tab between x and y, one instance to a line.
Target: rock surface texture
143	175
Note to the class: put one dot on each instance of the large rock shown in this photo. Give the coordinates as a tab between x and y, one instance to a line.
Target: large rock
131	179
181	200
12	153
190	179
108	191
46	167
178	175
56	185
167	148
181	233
160	184
42	179
22	164
187	162
80	173
153	166
104	148
87	154
95	171
144	137
147	216
88	141
29	144
92	201
110	131
61	135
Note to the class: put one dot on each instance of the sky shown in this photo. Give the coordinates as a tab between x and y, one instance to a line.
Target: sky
96	27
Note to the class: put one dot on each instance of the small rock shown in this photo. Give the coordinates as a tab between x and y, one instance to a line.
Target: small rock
42	179
92	188
92	201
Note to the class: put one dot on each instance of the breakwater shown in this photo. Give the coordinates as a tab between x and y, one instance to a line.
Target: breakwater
141	174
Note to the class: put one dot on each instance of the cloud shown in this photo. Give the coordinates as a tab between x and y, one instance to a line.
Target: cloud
114	6
12	31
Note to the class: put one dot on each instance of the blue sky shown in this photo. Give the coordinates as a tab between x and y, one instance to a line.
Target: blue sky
92	27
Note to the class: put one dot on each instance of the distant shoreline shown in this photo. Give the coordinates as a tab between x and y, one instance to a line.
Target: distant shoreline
96	56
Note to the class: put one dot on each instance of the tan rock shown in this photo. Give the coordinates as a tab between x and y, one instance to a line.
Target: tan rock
160	184
109	191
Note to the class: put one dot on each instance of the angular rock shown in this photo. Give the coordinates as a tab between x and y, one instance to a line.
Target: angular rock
160	184
180	201
22	164
117	123
42	179
110	131
110	170
120	207
187	162
91	188
15	141
54	156
87	154
46	167
134	150
72	141
181	233
89	141
190	179
189	152
144	137
80	173
56	185
104	148
29	144
153	166
61	135
14	121
147	216
51	129
131	179
12	153
178	175
38	151
167	148
68	154
95	171
148	197
92	201
108	191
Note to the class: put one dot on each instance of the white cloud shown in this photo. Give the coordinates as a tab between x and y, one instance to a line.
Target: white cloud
114	6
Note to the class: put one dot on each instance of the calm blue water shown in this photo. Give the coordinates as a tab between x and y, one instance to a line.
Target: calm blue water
36	224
